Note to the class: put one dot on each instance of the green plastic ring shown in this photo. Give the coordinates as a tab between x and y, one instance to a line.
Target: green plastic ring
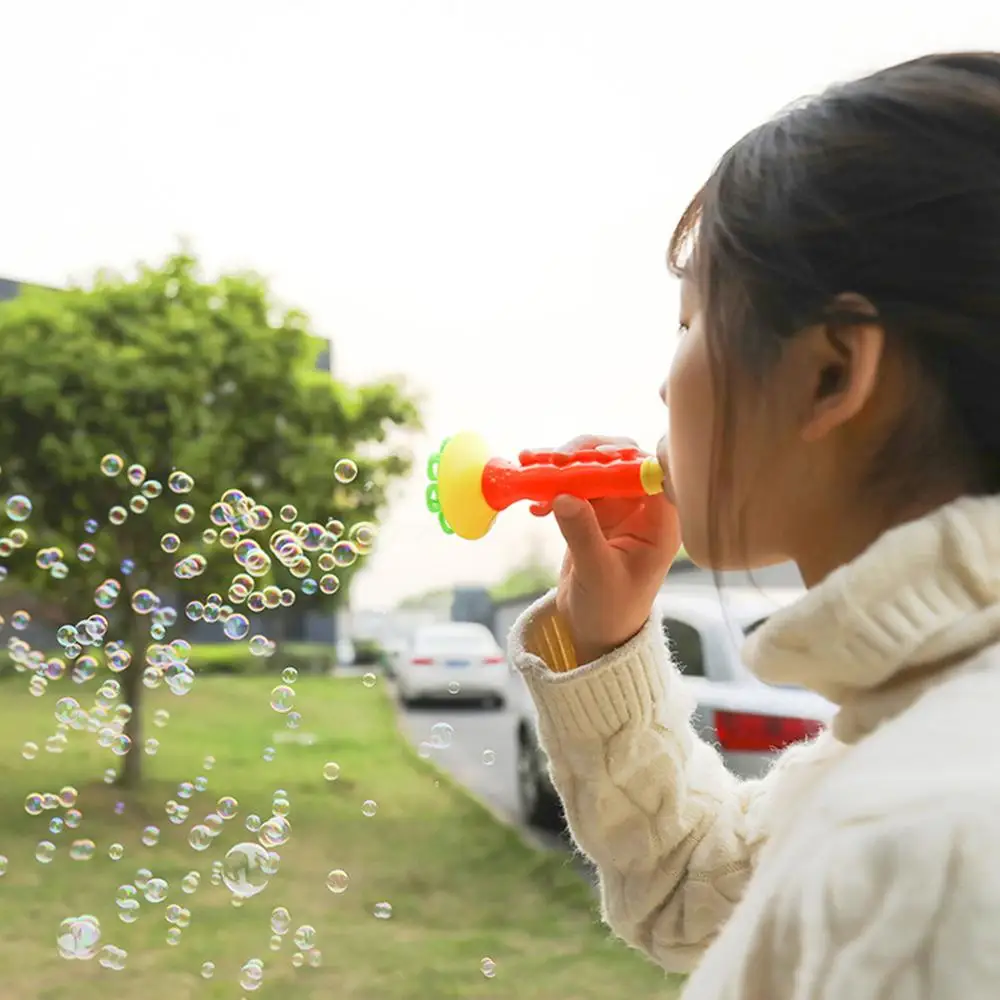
445	526
431	498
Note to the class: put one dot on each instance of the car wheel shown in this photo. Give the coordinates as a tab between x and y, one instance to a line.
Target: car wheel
538	806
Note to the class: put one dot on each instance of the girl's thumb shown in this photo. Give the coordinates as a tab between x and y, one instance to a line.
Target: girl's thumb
578	524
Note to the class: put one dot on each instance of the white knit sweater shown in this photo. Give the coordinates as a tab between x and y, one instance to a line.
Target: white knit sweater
866	864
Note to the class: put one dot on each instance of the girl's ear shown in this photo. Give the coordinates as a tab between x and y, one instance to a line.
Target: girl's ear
840	366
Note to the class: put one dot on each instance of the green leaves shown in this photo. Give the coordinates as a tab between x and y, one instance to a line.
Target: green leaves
171	371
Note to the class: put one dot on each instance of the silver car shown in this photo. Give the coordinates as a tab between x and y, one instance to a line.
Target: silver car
748	720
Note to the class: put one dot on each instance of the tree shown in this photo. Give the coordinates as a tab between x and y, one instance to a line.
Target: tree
529	577
212	380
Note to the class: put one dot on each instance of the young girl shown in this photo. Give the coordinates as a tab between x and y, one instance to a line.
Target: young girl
834	400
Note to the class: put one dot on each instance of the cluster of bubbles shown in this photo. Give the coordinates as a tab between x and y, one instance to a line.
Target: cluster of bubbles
312	553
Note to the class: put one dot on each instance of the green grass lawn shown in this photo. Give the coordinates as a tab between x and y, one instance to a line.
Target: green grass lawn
461	887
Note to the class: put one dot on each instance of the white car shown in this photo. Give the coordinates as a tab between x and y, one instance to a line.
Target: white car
453	660
749	721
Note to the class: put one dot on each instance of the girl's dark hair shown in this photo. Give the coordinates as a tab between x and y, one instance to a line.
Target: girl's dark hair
887	187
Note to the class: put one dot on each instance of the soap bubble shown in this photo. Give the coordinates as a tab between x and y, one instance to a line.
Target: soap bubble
170	542
45	851
144	602
488	967
112	464
441	735
289	675
236	627
369	807
200	837
116	852
151	836
282	698
275	831
331	770
305	937
152	488
79	937
135	474
184	513
489	757
337	881
82	850
227	806
155	890
207	970
362	537
281	920
345	471
243	869
251	975
18	507
383	911
344	554
113	958
180	482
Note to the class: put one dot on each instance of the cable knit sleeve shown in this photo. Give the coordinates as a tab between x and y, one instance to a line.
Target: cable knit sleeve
651	804
897	907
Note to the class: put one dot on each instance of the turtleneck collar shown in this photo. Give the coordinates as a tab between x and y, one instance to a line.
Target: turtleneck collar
874	633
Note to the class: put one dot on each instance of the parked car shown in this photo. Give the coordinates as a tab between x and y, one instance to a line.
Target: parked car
395	650
748	720
453	660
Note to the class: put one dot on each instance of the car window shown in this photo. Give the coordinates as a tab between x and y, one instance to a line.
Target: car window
471	643
686	647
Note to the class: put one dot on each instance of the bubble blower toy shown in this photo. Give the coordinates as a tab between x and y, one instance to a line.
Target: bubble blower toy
467	488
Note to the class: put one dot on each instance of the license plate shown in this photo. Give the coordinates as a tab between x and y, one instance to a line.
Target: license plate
456	663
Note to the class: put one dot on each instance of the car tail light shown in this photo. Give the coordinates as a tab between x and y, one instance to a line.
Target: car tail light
744	732
422	661
493	659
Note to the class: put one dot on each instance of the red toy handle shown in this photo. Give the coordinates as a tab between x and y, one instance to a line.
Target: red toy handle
542	475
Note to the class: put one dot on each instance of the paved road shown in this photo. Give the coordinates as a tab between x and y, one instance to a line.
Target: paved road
479	747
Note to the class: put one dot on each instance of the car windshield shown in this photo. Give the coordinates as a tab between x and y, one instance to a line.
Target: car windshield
469	643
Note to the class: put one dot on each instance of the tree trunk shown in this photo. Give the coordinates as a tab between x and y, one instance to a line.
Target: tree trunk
131	679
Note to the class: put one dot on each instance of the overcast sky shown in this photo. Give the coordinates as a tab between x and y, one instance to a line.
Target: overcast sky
478	195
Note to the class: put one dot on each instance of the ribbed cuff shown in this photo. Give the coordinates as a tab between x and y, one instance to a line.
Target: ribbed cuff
633	685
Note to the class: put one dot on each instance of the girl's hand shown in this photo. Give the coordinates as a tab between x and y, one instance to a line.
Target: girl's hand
619	551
